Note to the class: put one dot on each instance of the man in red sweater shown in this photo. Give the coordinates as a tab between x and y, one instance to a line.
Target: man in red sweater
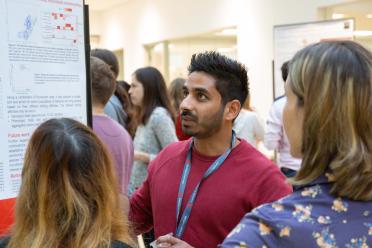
199	189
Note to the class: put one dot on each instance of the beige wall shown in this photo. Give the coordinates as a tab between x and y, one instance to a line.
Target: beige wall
95	24
140	22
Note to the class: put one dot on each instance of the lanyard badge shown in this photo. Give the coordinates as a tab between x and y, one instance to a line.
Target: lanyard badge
181	225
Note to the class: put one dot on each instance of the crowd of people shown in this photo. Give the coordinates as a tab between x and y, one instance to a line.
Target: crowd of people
181	167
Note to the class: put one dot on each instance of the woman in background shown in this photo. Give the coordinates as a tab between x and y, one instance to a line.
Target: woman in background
69	195
248	125
155	116
328	120
176	94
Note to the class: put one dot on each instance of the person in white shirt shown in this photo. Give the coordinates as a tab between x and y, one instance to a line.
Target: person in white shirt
275	137
248	125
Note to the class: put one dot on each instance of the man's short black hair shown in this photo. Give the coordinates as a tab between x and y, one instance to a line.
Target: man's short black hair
231	76
284	70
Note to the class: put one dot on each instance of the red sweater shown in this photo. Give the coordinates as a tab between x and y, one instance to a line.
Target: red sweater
244	181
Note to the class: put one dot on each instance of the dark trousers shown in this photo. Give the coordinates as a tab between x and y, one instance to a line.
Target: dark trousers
148	238
288	172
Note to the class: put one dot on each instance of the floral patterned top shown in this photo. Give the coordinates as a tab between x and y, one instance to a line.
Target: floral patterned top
309	217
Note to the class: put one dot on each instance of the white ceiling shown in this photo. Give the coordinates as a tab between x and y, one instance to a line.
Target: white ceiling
103	4
359	10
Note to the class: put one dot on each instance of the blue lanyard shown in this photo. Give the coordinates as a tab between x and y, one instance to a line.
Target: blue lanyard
181	191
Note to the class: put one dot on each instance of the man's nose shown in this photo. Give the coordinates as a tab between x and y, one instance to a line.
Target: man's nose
187	103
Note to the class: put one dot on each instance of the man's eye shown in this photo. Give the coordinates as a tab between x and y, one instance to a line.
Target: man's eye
184	94
201	96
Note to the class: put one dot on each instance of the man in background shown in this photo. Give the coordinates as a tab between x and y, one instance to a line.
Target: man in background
275	137
114	135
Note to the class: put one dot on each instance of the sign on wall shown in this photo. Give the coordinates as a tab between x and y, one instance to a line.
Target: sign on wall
288	39
43	75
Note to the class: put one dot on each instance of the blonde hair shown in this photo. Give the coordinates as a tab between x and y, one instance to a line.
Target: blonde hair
333	82
69	195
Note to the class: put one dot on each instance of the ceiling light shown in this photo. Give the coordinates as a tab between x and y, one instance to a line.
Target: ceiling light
369	16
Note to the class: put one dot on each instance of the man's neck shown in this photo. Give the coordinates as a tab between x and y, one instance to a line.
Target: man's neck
215	145
98	109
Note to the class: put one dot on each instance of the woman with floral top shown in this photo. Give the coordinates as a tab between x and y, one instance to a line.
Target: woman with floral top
328	120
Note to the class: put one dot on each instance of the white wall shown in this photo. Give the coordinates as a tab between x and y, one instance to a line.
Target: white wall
95	23
255	40
139	22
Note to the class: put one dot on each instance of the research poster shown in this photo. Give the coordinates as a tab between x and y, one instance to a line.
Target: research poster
42	75
288	39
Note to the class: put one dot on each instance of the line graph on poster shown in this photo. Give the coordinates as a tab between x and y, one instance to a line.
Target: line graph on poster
20	76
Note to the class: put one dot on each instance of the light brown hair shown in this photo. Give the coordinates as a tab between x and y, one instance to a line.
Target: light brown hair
333	83
69	194
103	81
176	93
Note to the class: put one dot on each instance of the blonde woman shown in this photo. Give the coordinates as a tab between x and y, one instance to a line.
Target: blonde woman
69	195
328	120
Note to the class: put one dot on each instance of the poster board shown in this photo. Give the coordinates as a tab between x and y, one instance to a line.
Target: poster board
43	75
288	39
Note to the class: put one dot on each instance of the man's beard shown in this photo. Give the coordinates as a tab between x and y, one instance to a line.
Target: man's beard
209	126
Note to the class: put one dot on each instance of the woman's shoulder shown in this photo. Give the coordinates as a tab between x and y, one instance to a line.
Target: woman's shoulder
159	114
119	244
247	114
159	111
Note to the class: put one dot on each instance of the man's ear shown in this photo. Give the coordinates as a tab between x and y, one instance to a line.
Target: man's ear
232	110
